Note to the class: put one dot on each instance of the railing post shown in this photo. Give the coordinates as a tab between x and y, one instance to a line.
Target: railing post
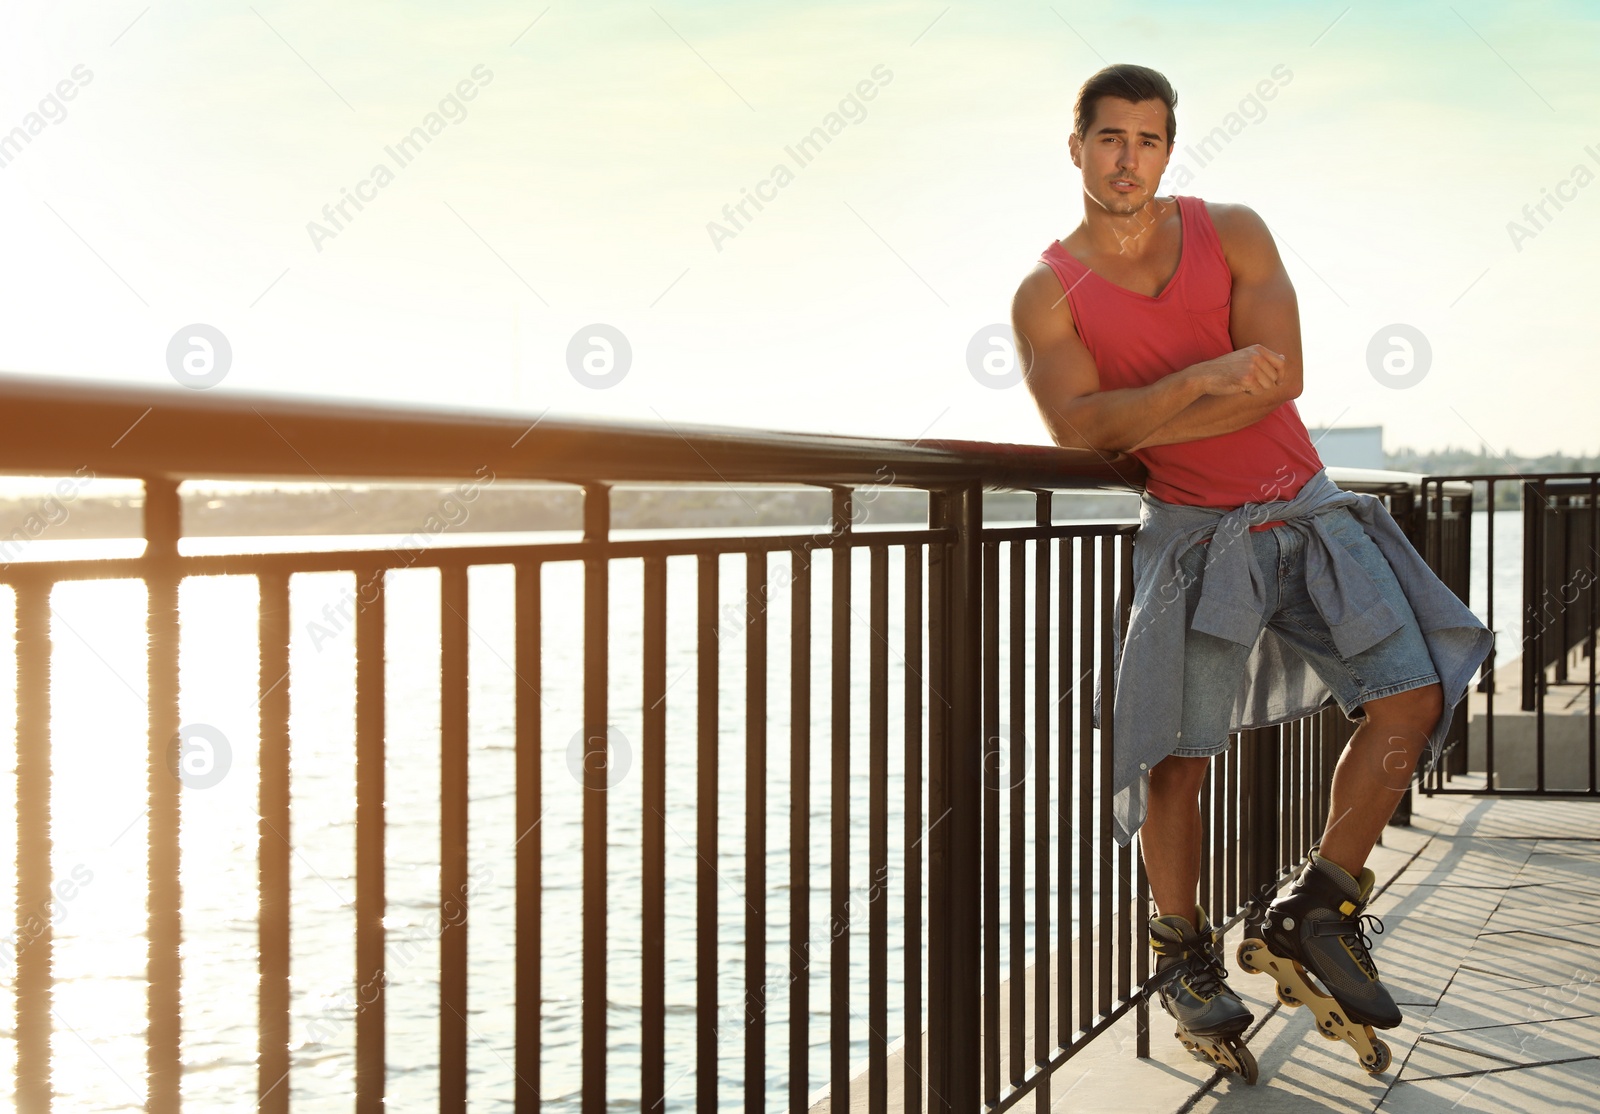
1260	855
596	766
371	888
33	938
954	778
163	1050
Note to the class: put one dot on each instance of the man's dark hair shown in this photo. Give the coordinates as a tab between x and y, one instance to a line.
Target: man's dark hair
1131	83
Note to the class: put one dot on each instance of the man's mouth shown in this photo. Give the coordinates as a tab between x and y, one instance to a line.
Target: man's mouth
1124	184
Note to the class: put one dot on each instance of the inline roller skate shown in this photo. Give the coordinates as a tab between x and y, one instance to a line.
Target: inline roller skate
1192	981
1319	926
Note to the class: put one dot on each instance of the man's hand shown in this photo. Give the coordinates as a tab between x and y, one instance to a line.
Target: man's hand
1245	371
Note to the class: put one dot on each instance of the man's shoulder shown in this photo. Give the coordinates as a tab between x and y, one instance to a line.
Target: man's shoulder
1229	212
1039	292
1240	229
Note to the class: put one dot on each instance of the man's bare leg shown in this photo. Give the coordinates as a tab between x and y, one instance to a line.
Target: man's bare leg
1374	773
1190	977
1170	837
1316	925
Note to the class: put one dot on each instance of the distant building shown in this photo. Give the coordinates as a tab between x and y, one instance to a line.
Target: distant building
1358	446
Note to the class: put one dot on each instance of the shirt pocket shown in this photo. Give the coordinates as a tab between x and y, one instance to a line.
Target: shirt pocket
1345	528
1213	331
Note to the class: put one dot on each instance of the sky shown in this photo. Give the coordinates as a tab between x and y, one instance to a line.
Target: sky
559	242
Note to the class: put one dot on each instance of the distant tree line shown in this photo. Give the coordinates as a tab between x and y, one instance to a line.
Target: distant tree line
1465	462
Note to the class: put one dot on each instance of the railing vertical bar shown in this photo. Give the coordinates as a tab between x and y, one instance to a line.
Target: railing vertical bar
1042	562
1244	836
1287	791
707	566
1017	812
1303	794
529	836
1308	766
596	630
1142	972
1088	616
1103	941
1290	812
1067	682
370	899
35	939
1594	623
755	825
1302	835
1209	889
1490	668
1230	809
839	882
273	847
878	836
1318	730
1536	570
914	680
955	801
991	822
653	903
1129	935
164	973
453	886
799	828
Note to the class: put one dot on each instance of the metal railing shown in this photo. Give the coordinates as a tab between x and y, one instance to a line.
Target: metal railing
978	821
1559	618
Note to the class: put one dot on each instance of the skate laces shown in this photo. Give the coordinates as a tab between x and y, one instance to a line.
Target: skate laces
1208	976
1201	966
1352	932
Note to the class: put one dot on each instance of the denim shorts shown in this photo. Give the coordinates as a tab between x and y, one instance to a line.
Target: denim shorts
1213	667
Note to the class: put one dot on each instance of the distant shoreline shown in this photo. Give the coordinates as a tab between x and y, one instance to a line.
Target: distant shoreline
419	510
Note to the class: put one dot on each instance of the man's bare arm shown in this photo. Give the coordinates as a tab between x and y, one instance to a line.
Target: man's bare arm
1265	312
1065	384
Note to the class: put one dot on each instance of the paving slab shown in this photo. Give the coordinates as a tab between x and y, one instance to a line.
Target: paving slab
1536	958
1556	910
1489	907
1549	1087
1511	1043
1477	999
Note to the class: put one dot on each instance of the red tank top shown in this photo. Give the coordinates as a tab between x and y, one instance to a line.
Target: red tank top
1136	339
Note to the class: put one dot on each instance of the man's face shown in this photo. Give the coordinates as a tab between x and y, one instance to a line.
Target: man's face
1123	154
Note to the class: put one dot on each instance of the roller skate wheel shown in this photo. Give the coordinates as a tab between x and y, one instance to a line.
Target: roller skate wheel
1286	996
1244	955
1382	1058
1247	1064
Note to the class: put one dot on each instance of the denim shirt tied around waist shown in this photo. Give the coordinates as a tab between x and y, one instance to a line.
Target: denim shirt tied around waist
1278	685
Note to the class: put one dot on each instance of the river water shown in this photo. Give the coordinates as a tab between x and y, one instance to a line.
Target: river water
99	830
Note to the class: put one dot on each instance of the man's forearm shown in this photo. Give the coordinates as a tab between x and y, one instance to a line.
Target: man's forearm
1211	416
1117	418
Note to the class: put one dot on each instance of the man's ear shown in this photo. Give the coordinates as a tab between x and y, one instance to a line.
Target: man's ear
1075	149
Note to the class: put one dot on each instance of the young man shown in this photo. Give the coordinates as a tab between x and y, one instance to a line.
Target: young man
1167	328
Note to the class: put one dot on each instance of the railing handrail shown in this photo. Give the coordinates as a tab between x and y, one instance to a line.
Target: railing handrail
1377	481
58	424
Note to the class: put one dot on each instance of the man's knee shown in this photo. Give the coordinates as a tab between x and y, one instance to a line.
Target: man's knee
1417	710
